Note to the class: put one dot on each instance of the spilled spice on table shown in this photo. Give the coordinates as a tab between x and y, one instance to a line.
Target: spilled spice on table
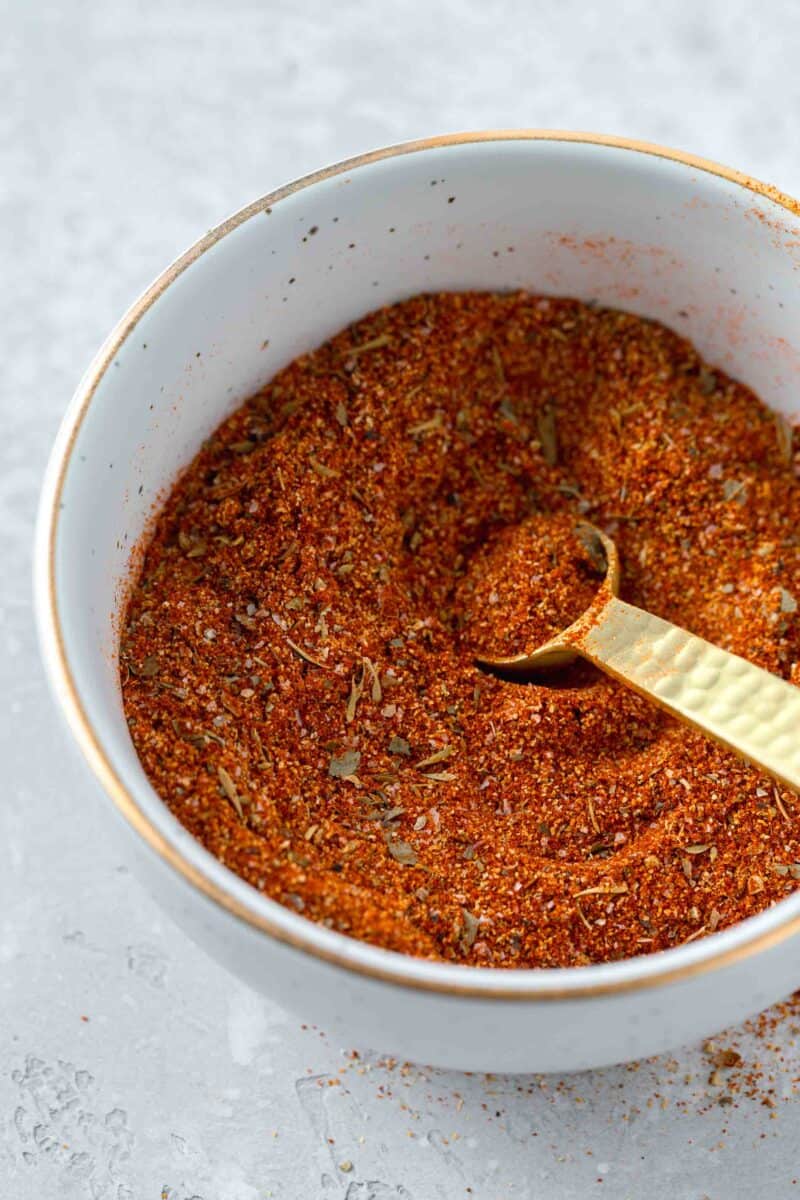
297	662
745	1074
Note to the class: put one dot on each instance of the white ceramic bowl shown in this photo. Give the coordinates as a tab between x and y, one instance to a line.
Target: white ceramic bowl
702	248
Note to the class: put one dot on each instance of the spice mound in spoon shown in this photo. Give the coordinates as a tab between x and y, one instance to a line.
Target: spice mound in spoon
525	584
297	657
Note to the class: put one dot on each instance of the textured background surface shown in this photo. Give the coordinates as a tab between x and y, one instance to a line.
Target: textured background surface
125	131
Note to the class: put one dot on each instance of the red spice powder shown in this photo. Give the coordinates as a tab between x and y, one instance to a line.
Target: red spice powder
297	661
524	585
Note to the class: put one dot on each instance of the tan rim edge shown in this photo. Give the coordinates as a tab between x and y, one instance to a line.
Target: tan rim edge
83	731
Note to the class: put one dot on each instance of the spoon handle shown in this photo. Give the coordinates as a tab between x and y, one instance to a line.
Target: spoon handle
751	711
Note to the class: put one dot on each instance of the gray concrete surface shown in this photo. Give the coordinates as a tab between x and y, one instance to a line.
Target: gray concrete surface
132	1067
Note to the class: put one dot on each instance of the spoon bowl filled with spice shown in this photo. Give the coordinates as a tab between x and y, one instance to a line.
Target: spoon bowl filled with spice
338	451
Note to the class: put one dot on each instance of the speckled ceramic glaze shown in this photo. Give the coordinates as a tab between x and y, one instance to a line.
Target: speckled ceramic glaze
712	254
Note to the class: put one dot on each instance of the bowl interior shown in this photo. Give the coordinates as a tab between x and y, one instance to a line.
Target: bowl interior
634	229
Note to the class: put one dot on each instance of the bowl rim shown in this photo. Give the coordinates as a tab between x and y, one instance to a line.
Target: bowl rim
198	868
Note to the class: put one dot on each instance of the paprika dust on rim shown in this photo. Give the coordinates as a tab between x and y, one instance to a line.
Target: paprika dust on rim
297	658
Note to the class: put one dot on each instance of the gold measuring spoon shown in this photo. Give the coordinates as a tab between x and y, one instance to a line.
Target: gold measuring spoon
743	707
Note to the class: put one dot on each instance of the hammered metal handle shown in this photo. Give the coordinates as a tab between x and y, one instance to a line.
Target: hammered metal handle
754	713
